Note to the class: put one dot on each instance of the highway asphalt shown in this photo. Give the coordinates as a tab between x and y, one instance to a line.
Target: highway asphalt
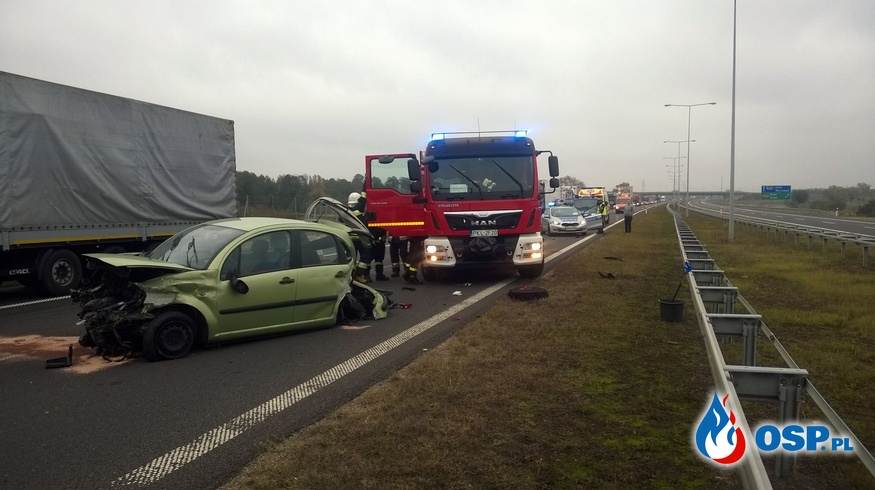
66	430
849	225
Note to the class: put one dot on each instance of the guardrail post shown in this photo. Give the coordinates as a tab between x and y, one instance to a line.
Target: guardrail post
789	402
783	385
865	254
844	246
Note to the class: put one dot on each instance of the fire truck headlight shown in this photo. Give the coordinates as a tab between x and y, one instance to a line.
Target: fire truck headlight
431	249
536	255
536	246
433	258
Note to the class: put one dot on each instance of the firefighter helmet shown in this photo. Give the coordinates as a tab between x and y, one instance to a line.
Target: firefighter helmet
353	199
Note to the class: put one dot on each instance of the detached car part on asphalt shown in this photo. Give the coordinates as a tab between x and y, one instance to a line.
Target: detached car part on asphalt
227	279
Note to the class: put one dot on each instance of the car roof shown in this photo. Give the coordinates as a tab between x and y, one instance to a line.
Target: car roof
253	223
564	207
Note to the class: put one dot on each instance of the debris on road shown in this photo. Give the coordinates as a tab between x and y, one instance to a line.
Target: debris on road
610	257
34	347
607	275
457	293
527	293
408	288
61	362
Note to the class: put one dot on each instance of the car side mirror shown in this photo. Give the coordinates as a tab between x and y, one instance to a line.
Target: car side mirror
413	169
553	163
238	285
415	186
554	182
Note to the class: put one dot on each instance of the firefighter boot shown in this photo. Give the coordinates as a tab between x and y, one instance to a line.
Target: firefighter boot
380	275
410	274
363	275
396	269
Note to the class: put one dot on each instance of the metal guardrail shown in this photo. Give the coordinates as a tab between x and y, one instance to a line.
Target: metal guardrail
715	300
865	242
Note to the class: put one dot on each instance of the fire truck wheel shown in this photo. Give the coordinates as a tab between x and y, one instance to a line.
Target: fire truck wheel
431	274
531	271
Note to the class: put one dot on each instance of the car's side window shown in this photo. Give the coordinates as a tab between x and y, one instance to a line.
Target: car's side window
264	253
319	248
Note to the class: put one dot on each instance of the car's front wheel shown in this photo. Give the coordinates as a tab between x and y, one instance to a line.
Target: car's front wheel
170	335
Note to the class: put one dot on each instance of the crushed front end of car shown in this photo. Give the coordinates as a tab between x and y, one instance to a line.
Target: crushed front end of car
115	307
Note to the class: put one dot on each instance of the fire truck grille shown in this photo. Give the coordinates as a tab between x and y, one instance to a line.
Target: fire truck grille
494	221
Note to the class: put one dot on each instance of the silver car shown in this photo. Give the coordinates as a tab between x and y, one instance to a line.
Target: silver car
563	220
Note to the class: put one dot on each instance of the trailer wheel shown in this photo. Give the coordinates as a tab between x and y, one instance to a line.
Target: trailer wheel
59	271
170	335
531	271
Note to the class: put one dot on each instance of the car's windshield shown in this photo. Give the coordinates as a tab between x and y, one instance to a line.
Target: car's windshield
586	203
195	247
479	178
564	212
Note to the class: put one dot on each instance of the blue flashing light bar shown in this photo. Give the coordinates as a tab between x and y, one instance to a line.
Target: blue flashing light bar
516	133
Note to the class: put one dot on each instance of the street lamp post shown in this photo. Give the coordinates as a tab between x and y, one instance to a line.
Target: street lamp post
687	141
732	136
675	169
689	124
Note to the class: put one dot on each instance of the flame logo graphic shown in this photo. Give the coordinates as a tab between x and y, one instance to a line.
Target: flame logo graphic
717	437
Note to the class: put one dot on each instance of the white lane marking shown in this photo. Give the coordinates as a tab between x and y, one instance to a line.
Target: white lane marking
175	459
164	465
34	302
869	227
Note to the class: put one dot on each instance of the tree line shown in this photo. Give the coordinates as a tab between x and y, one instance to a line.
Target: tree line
858	199
289	195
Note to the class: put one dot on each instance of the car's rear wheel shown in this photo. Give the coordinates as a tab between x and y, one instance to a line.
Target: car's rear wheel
170	335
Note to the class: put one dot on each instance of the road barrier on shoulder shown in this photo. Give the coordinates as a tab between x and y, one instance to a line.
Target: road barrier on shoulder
786	229
717	303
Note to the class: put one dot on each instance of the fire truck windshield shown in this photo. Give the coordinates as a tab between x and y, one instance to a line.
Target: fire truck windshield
481	178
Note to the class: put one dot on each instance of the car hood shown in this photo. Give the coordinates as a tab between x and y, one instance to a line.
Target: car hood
138	262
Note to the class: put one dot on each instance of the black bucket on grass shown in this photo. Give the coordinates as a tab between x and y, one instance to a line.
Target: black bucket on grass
671	310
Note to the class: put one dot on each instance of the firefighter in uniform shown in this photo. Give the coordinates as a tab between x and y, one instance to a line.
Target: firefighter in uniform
395	244
356	203
604	211
411	256
378	254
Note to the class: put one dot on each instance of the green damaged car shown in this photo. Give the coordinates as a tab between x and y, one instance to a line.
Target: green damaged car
228	279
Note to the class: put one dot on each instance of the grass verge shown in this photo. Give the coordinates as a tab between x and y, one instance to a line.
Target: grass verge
586	388
822	308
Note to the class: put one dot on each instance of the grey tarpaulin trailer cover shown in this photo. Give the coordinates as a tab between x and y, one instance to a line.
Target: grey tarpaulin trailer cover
80	167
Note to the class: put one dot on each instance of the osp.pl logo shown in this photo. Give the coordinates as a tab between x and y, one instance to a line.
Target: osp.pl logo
719	440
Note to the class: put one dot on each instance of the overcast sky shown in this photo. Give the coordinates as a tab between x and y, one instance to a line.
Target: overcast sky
313	86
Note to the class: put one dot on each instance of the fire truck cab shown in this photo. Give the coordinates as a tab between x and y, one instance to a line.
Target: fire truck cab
472	199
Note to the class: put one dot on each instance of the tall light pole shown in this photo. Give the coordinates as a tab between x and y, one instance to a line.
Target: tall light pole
687	141
689	124
732	135
674	169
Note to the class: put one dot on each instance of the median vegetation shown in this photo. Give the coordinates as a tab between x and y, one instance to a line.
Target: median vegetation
820	305
586	388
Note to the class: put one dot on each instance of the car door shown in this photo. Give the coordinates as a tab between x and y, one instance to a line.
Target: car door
264	264
324	269
390	203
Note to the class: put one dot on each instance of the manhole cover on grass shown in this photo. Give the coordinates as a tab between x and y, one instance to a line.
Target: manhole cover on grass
526	293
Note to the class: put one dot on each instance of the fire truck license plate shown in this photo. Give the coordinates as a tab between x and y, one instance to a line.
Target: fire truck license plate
484	233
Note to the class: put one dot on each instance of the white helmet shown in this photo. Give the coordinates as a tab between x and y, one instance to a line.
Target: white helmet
353	199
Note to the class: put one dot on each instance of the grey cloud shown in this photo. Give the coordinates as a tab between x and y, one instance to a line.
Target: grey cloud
313	86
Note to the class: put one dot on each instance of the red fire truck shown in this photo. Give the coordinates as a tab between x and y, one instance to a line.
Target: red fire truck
471	199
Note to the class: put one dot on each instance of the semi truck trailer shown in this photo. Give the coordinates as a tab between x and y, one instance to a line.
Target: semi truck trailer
83	172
